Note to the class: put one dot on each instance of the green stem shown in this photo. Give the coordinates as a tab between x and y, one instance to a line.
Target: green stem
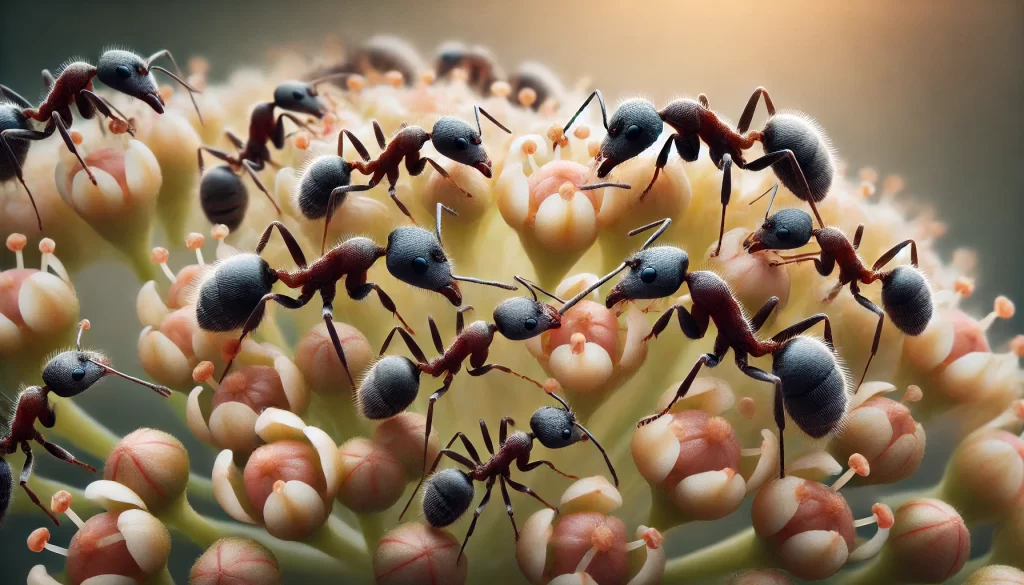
77	427
162	577
876	571
344	545
372	526
45	487
200	487
740	551
342	414
183	518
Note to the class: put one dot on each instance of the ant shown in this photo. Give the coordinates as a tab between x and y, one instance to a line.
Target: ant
253	154
67	374
122	71
452	138
905	293
381	54
483	70
809	384
795	148
235	294
449	492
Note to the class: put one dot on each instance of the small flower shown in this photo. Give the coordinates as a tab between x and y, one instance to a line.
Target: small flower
238	561
929	542
151	463
985	476
372	477
751	277
415	554
317	360
883	431
173	142
35	305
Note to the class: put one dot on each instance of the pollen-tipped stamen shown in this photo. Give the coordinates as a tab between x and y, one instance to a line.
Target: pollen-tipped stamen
858	466
160	256
39	541
16	243
60	503
881	515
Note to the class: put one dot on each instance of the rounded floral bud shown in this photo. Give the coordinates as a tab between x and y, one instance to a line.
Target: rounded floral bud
575	534
808	525
752	277
151	463
238	561
317	360
985	475
133	544
372	477
996	575
415	554
282	461
403	435
884	432
36	305
929	542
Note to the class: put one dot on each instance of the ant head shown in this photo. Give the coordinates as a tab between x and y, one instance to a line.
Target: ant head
556	427
907	299
448	495
72	372
460	142
654	273
521	318
300	97
813	385
231	291
389	388
633	128
128	73
415	256
784	230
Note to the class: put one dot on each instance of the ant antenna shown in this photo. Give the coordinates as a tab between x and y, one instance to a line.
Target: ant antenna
315	82
82	326
774	189
604	111
437	223
565	405
664	223
191	90
161	390
533	288
493	283
593	186
437	231
477	110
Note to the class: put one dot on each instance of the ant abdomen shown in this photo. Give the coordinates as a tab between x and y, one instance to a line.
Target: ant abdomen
223	197
555	428
70	373
321	178
229	295
11	118
809	146
389	388
813	385
520	318
448	495
907	299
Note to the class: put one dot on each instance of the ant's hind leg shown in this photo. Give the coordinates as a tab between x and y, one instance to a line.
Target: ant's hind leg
888	256
779	411
476	516
289	240
748	111
508	506
726	196
328	316
867	304
801	326
251	169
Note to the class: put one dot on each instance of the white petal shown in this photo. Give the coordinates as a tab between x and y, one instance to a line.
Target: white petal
227	484
47	303
513	194
293	383
869	389
330	458
573	579
710	495
532	547
163	360
10	335
591	494
814	555
150	307
113	496
39	576
194	417
109	580
583	372
294	513
147	539
279	425
655	449
142	172
767	465
817	460
775	505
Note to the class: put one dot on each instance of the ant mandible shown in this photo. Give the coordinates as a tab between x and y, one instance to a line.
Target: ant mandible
449	493
253	154
452	137
795	147
122	71
67	374
236	292
905	293
809	384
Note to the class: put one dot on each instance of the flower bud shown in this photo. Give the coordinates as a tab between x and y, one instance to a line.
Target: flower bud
35	305
317	360
403	436
985	476
173	143
883	431
414	554
996	575
751	277
373	478
929	542
238	561
151	463
131	544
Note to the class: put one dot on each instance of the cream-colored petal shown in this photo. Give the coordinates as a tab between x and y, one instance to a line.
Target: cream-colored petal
513	195
113	496
10	335
47	303
163	360
232	425
575	284
293	383
775	505
814	555
109	580
98	202
653	569
142	172
655	449
194	417
532	546
147	539
634	350
574	579
38	576
868	431
150	307
869	389
294	512
590	494
583	372
767	465
708	393
330	458
816	460
928	350
227	485
710	495
275	424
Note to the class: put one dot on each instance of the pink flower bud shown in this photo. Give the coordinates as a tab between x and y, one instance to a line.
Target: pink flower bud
282	461
996	575
132	544
319	363
238	561
985	475
575	534
403	436
929	541
151	463
372	477
414	554
884	432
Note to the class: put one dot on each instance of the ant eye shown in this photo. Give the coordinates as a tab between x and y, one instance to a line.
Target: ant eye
566	434
419	264
648	275
530	324
462	143
633	132
124	71
782	233
297	94
77	374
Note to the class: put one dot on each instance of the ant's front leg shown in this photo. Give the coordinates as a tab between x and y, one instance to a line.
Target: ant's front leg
478	367
58	122
726	167
694	325
759	318
659	164
277	136
524	464
61	453
357	289
392	175
415	166
709	359
26	474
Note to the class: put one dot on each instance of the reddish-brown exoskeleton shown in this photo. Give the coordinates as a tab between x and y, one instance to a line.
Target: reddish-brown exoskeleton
905	293
68	374
122	71
450	492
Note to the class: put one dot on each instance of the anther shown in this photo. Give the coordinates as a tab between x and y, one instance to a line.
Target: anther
746	407
355	83
159	256
964	286
60	503
39	541
203	373
582	132
567	190
858	465
301	141
527	97
16	243
195	242
395	79
913	394
577	342
76	137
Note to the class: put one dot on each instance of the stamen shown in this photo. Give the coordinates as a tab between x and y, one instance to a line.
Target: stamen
110	540
577	343
220	233
159	256
750	452
39	541
858	465
427	78
46	248
527	96
60	503
77	138
195	242
964	286
747	407
203	373
1002	308
529	147
913	394
16	243
355	83
395	79
585	561
582	132
882	515
567	190
301	141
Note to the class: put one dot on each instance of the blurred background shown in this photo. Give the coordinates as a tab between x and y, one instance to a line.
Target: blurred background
932	91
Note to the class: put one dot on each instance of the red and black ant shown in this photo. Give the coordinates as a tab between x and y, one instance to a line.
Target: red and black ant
482	70
451	137
905	293
67	374
809	384
795	148
122	71
236	292
449	493
253	154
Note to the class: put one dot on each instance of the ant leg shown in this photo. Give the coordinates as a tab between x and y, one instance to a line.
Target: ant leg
748	111
773	157
487	436
659	164
356	143
531	465
480	371
104	107
780	413
328	316
762	314
219	154
57	121
435	335
801	326
415	167
888	256
710	359
15	98
476	515
508	506
359	292
867	304
61	453
414	347
857	236
277	135
13	161
726	196
26	473
797	259
234	139
506	422
453	455
334	201
378	132
525	490
289	240
430	412
257	316
392	180
251	169
693	325
460	321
